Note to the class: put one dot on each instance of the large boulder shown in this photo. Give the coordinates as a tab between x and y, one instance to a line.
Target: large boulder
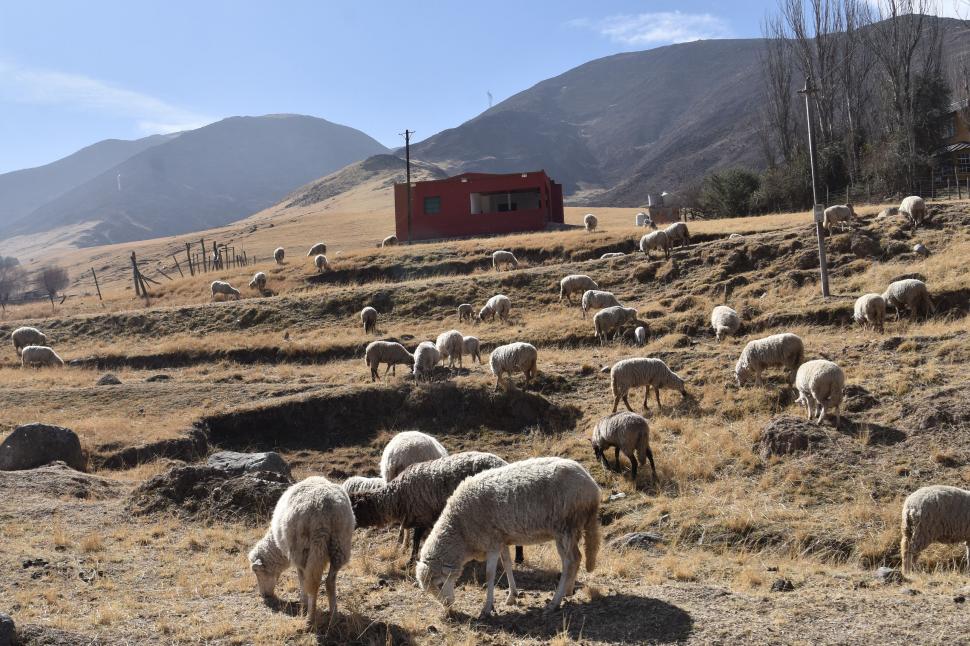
34	445
108	379
8	631
240	463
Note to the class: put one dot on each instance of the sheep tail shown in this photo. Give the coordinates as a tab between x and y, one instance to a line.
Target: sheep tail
905	544
591	538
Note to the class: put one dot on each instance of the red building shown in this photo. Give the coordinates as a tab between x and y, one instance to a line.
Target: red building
474	204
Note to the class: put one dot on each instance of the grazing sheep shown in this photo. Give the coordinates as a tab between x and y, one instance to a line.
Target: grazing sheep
278	255
258	282
389	352
524	503
321	262
312	526
837	214
785	350
914	208
499	305
920	249
628	433
407	448
512	358
450	346
389	241
888	212
642	373
505	259
641	219
725	321
611	255
39	355
361	483
820	384
910	294
871	309
368	316
677	232
590	221
575	284
471	346
655	240
426	357
221	287
595	299
24	336
317	249
934	514
640	335
465	312
611	320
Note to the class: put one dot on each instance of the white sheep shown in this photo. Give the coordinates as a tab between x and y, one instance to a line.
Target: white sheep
321	262
934	514
590	221
450	346
389	352
612	255
354	484
677	232
258	282
910	294
222	288
512	358
595	299
820	384
368	317
317	249
278	255
655	240
312	526
465	312
499	305
39	355
628	433
426	357
837	214
24	336
575	284
920	249
645	373
871	309
502	258
641	219
407	448
611	320
389	241
725	322
472	347
784	350
523	503
914	208
640	335
735	236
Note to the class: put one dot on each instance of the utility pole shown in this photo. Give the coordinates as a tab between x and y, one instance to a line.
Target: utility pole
407	158
817	209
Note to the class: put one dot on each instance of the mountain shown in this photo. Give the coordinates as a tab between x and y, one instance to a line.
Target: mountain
202	178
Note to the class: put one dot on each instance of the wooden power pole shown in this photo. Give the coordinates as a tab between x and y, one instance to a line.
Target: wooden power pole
407	171
817	209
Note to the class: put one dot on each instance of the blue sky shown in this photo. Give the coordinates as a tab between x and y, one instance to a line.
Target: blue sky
72	73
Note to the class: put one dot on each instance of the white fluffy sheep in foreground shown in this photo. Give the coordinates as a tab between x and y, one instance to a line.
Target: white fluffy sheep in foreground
590	221
575	284
426	357
317	249
611	255
499	305
527	502
24	336
472	347
640	335
725	321
596	299
312	526
914	208
450	346
361	483
677	232
278	254
512	358
871	309
837	214
321	263
628	433
368	317
655	240
222	288
465	312
407	448
784	350
920	249
39	355
258	282
389	241
934	514
611	320
910	294
389	352
502	258
645	373
820	385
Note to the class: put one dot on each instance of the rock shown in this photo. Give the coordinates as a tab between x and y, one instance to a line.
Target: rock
865	247
959	599
155	378
108	379
239	463
782	585
639	540
617	496
889	576
786	435
7	630
34	445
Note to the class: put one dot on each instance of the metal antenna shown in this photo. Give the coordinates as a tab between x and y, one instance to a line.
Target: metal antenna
407	158
818	209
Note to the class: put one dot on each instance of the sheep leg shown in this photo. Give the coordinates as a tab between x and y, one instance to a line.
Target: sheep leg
491	564
507	566
646	399
656	390
633	467
311	584
331	586
616	458
566	558
966	545
574	565
653	469
416	536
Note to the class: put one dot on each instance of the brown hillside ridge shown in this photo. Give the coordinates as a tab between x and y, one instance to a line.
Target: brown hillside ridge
744	537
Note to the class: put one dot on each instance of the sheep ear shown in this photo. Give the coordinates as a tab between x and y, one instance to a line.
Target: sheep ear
257	564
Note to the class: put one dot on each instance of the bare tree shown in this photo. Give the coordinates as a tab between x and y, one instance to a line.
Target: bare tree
51	279
776	62
855	82
11	280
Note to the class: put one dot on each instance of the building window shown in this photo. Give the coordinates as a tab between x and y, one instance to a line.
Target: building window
528	200
432	205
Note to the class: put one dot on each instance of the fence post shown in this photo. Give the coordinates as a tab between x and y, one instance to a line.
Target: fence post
205	261
188	255
97	286
178	266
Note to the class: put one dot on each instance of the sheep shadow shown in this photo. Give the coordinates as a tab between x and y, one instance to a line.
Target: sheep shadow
876	433
348	627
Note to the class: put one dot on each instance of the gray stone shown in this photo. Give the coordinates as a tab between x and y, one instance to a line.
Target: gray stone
782	585
108	379
34	445
155	378
239	463
8	631
889	576
640	540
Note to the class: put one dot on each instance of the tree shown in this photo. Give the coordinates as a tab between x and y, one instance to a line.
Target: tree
11	280
728	193
51	280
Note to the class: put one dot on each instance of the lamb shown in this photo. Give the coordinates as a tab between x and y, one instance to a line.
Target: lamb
389	352
312	526
920	249
820	385
612	255
575	284
354	484
24	336
911	294
471	346
595	299
725	322
39	355
512	358
317	249
611	320
655	240
278	254
933	514
258	282
837	214
524	503
221	287
785	350
646	373
499	305
590	221
465	312
677	232
505	259
368	316
914	208
628	433
389	241
450	346
640	335
321	262
426	357
407	448
871	309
